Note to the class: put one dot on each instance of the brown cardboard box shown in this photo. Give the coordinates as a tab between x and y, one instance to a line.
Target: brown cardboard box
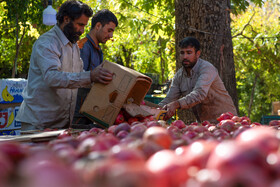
158	114
275	107
103	103
144	111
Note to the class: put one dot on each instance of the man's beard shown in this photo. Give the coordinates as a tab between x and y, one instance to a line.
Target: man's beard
189	66
70	33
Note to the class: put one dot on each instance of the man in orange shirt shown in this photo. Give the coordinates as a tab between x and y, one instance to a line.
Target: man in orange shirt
103	25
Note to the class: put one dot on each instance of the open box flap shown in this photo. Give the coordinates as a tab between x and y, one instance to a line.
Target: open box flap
135	110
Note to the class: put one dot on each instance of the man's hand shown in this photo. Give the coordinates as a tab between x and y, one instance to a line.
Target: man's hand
101	75
171	109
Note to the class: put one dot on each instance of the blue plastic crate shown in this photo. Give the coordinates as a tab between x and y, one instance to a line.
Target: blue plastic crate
266	119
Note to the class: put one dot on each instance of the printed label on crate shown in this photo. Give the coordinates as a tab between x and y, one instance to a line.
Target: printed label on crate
12	132
160	115
7	119
17	124
11	90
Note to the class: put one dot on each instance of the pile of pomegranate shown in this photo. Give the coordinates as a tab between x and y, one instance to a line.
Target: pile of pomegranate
150	153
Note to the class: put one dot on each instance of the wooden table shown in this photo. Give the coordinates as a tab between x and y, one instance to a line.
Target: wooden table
37	136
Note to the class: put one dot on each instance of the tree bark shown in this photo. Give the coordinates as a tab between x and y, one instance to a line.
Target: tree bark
162	62
209	22
18	45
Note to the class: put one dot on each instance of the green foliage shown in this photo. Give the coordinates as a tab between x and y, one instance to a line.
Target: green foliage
239	6
144	39
141	41
21	24
256	49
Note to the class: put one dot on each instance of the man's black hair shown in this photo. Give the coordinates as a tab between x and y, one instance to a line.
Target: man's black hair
190	41
104	17
73	9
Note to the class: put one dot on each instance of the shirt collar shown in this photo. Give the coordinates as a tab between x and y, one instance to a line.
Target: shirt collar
61	35
196	66
93	43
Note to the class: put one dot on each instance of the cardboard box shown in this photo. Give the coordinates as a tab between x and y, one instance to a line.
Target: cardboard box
275	107
7	119
11	90
135	110
104	102
156	112
8	124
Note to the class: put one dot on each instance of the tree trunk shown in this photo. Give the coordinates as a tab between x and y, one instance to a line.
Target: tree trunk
209	22
14	71
162	62
18	45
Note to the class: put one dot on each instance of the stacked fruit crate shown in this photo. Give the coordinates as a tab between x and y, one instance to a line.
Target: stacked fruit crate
10	100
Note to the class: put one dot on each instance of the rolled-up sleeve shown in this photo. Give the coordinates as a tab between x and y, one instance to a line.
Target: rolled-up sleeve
174	91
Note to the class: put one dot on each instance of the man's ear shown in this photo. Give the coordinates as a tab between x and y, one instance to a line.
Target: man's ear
98	26
66	19
198	53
